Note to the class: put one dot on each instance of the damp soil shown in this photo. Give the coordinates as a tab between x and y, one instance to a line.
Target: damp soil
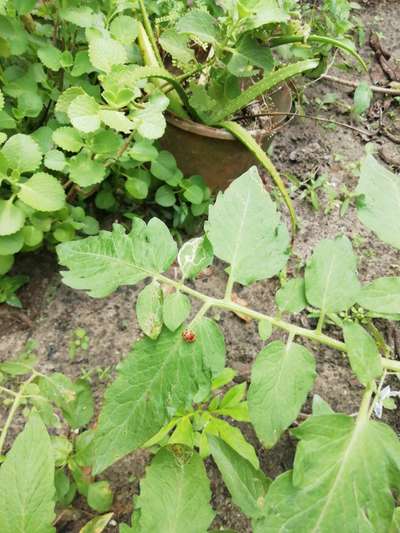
305	149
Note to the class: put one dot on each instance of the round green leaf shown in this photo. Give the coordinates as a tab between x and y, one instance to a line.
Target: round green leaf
55	160
85	171
116	120
12	218
83	113
68	139
165	196
6	262
50	56
11	244
32	236
105	52
100	496
22	153
42	192
124	29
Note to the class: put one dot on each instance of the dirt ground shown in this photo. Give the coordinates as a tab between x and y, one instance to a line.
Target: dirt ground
52	311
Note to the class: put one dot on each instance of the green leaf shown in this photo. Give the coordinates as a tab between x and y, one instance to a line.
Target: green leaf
262	12
22	153
291	297
149	309
331	276
261	87
212	344
55	160
320	406
12	218
74	399
143	151
381	295
363	353
124	29
50	56
103	263
176	45
234	438
176	309
42	192
100	496
264	329
84	113
194	256
379	205
80	16
362	98
68	139
200	24
338	466
165	196
11	244
6	263
395	525
149	121
141	399
116	120
85	171
66	98
27	482
245	231
105	142
246	484
164	168
249	53
104	53
97	524
183	433
174	498
281	378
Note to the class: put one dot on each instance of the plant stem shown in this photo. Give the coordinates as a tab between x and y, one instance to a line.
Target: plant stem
12	412
150	33
311	334
8	391
228	290
240	309
321	321
364	411
199	315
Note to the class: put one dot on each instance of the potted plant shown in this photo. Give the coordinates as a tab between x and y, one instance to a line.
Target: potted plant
222	58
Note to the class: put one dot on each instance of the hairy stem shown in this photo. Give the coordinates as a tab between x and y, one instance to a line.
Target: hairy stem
311	334
13	410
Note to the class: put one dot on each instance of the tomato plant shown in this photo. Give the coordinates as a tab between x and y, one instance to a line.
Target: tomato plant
174	395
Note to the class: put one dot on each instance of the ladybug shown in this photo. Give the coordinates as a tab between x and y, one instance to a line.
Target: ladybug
189	336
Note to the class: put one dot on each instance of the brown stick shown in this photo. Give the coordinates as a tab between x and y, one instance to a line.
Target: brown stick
354	84
318	119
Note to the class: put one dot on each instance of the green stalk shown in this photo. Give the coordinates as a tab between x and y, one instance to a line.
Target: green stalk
151	61
150	33
13	410
289	39
244	137
261	87
313	335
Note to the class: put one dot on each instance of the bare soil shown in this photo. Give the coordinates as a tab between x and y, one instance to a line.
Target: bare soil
52	311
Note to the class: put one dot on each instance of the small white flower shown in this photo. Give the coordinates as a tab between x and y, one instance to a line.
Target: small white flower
385	393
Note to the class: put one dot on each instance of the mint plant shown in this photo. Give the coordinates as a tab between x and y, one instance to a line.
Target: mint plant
75	126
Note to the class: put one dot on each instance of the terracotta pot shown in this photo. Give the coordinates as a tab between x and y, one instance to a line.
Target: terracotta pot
215	153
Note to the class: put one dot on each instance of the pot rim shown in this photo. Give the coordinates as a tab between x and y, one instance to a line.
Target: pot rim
221	134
